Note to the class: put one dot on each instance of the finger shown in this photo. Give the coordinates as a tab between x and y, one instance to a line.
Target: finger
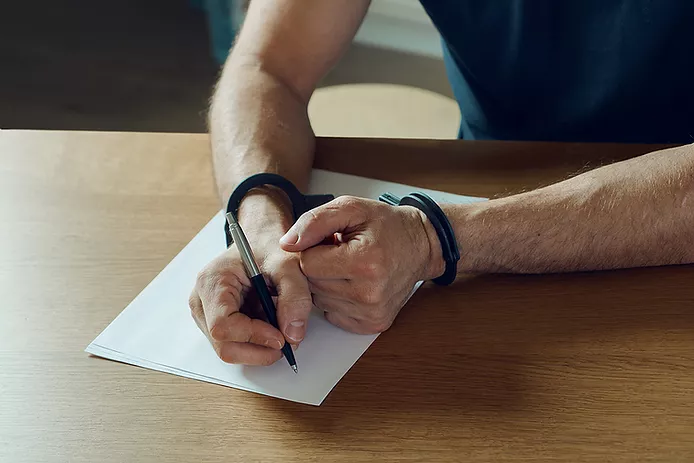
331	304
197	312
220	291
351	317
235	352
321	223
332	240
238	327
363	293
247	354
347	323
293	303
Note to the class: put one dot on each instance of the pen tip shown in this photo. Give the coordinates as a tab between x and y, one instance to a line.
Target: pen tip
295	368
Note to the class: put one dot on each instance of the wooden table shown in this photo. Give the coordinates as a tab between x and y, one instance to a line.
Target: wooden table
581	367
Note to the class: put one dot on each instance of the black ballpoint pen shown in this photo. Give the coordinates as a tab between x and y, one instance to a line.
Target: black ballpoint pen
258	282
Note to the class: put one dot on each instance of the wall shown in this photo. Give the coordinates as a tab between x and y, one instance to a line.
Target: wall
400	25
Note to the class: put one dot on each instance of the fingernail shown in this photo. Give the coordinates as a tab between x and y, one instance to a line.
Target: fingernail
274	343
295	330
291	237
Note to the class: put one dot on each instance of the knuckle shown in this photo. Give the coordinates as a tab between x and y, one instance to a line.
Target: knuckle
194	303
210	278
373	295
221	353
369	269
350	205
196	309
204	276
309	218
379	325
217	333
373	267
294	304
215	284
378	320
222	270
348	202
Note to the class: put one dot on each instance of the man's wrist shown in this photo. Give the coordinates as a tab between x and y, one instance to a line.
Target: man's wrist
265	208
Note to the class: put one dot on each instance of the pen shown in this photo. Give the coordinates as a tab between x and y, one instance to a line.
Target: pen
258	282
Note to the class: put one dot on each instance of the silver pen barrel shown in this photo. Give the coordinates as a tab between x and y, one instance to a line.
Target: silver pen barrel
242	244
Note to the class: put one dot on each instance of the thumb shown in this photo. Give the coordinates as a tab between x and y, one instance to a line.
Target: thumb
318	224
294	305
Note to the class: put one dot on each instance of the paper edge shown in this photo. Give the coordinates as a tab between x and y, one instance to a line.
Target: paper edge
110	354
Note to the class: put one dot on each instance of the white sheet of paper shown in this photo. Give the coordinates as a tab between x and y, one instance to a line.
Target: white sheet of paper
156	330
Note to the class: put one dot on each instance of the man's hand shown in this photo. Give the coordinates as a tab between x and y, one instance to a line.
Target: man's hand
227	311
380	252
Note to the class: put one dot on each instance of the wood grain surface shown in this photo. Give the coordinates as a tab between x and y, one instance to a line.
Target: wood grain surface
588	367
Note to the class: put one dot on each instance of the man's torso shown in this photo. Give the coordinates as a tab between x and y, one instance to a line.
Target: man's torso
573	70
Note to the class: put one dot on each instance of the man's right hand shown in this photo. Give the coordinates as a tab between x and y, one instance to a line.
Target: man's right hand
223	305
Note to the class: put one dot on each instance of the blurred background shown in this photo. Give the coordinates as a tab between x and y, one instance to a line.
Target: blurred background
150	65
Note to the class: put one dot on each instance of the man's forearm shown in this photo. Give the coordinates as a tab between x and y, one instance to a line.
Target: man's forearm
633	213
258	124
259	120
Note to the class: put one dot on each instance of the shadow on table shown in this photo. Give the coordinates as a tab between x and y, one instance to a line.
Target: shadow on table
489	346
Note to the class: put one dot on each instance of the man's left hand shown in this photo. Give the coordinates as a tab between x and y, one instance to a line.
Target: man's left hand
374	255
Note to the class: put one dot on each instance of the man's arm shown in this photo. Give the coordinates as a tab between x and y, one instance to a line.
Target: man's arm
258	119
258	123
633	213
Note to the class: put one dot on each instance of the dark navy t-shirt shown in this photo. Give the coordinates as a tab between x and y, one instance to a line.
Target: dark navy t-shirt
570	70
